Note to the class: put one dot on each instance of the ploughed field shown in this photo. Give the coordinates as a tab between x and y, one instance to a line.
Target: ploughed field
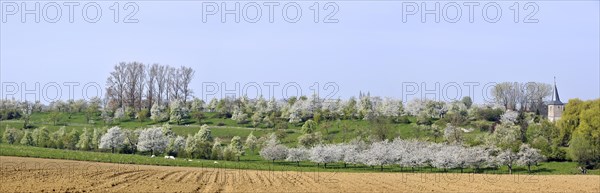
48	175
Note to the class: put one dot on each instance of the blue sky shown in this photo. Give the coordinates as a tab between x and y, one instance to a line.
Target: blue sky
369	49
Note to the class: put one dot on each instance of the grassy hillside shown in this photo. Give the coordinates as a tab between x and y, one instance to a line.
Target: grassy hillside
223	128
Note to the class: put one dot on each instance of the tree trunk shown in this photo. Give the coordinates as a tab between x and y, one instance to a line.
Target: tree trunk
529	168
381	167
509	169
298	163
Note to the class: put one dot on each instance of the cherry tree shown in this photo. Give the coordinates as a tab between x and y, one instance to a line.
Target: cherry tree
190	146
112	139
297	155
158	113
506	136
508	158
216	152
239	116
27	139
323	154
251	142
349	108
416	106
85	140
529	156
275	152
176	145
26	109
153	140
410	153
379	154
389	108
445	158
204	134
479	157
178	111
351	152
236	147
96	136
462	157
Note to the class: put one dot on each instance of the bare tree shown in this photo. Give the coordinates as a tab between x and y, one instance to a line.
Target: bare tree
136	86
521	96
161	83
133	76
151	84
186	75
116	85
174	84
537	92
140	86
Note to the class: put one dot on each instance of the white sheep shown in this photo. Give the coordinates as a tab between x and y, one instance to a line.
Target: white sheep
216	162
152	156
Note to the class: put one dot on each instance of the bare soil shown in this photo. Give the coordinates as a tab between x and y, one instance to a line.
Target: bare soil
47	175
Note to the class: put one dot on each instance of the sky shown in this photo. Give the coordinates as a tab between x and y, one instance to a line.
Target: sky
382	47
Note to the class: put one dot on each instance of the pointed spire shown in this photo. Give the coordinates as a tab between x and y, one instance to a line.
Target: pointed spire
555	96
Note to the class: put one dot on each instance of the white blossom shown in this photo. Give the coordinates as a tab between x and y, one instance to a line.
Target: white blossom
529	156
326	153
276	152
158	113
509	117
153	140
297	154
508	158
112	139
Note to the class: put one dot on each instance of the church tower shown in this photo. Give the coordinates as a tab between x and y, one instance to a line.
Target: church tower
555	107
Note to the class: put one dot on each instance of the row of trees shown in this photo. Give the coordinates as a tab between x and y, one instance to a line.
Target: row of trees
154	140
405	153
528	96
138	86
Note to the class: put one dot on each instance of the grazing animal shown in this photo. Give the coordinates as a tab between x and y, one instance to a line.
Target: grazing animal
153	156
216	162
